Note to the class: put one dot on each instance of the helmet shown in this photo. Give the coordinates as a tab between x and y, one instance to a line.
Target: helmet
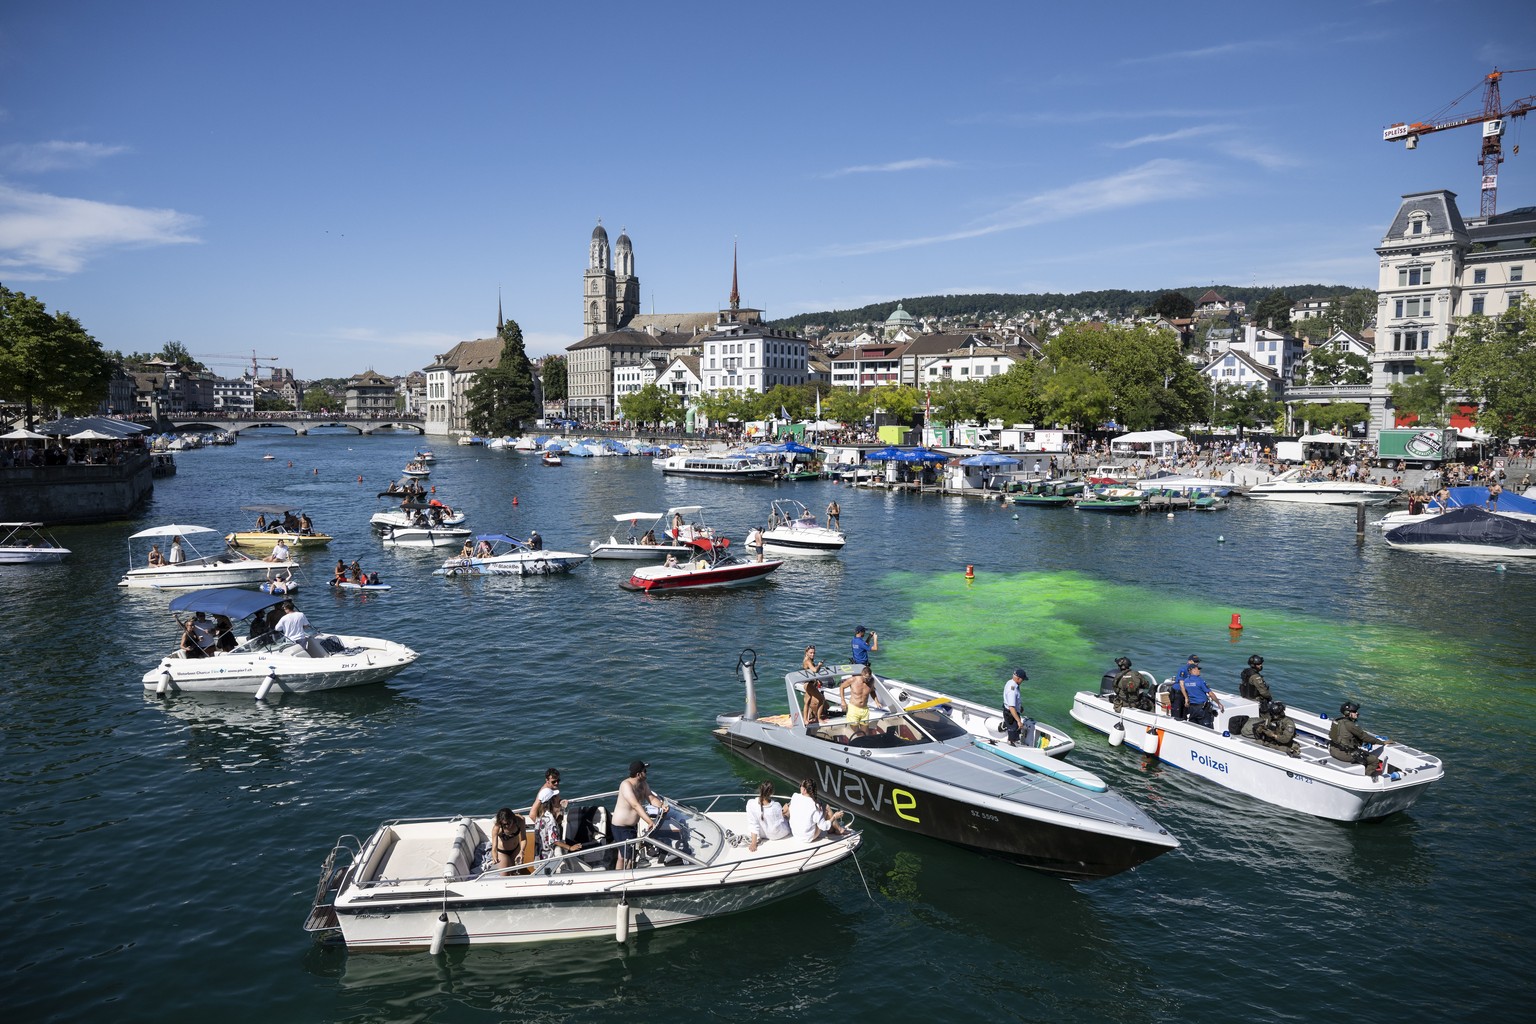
1255	660
1277	709
1122	663
1349	707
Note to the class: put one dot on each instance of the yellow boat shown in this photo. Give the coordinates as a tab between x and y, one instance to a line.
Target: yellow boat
286	525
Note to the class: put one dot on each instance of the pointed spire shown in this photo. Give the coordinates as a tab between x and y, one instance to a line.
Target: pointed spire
500	323
735	292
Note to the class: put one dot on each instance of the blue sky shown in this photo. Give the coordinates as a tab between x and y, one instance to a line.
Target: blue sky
348	185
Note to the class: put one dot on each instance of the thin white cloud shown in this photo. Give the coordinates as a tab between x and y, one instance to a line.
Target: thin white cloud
38	157
44	236
1174	136
1266	157
1223	50
1154	181
919	164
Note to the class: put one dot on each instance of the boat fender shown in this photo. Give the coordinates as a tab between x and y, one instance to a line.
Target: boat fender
621	922
165	683
267	683
439	933
1117	735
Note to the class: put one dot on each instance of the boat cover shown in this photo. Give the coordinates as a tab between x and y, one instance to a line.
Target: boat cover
172	531
1469	525
1508	501
234	602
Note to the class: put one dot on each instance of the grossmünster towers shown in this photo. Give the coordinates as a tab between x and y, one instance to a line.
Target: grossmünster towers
611	291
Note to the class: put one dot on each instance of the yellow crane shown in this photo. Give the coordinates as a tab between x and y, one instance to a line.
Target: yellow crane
1494	118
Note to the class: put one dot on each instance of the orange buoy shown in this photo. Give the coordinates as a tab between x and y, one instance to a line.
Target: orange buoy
1237	621
514	499
970	572
359	478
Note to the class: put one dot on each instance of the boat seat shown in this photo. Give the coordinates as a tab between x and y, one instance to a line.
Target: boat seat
1349	766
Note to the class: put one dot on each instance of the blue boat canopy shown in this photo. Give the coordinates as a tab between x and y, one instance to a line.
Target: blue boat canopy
233	602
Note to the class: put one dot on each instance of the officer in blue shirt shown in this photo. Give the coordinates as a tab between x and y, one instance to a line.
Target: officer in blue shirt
1199	699
862	646
1176	695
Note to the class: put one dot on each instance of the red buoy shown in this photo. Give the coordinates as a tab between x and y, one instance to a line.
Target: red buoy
514	499
970	572
1237	621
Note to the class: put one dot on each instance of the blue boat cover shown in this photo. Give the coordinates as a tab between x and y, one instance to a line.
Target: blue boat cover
234	602
1508	502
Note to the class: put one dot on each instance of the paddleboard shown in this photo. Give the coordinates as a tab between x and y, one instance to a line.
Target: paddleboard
360	586
1038	760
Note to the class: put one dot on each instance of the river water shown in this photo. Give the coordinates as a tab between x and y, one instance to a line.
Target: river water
160	855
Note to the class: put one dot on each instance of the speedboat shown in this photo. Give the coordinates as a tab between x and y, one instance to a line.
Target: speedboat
1122	505
1468	531
270	661
1512	505
1043	494
668	531
415	536
712	564
1289	487
413	512
220	567
1166	482
1314	783
425	456
286	524
793	527
550	459
914	767
508	556
719	467
423	883
26	543
417	469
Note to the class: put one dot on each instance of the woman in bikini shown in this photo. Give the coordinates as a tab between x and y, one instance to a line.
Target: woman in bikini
507	838
815	704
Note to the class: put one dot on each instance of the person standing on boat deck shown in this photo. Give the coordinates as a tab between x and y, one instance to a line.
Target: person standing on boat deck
550	788
1494	490
809	662
1347	741
1175	695
1253	685
862	647
294	624
306	527
808	819
1200	701
1277	730
1014	719
507	838
856	691
834	515
192	641
261	522
815	710
629	809
765	815
755	541
177	555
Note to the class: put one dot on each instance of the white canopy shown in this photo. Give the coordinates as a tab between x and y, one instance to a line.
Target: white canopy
1324	439
20	434
1149	437
171	531
93	435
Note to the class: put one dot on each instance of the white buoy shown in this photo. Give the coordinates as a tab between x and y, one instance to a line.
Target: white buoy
621	922
1170	515
267	683
165	683
1498	567
1015	515
1221	540
1117	735
439	933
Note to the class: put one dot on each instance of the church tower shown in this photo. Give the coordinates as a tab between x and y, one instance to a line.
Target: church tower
599	315
626	283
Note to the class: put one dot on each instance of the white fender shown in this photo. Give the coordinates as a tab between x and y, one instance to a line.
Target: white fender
267	683
1117	734
439	933
621	922
165	683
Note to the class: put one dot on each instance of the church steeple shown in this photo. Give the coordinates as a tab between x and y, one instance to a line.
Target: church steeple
500	323
735	292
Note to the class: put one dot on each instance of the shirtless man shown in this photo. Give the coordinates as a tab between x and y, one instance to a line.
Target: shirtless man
629	810
856	691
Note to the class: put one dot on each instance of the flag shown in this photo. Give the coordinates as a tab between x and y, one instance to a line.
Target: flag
783	414
818	405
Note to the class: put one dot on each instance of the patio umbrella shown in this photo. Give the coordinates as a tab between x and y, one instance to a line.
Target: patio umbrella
93	435
796	448
886	454
989	459
21	434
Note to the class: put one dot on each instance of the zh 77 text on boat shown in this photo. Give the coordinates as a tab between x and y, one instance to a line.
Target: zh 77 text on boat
929	763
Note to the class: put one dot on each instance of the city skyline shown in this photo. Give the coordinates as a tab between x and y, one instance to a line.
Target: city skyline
351	188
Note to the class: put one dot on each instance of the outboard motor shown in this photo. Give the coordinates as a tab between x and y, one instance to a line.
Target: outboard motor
1107	684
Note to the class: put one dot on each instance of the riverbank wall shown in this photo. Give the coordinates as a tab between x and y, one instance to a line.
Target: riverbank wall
66	495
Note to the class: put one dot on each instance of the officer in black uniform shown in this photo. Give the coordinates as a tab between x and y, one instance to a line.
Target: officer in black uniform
1130	688
1347	741
1277	730
1253	685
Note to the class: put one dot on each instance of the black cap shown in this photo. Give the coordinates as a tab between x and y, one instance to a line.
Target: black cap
857	630
1021	674
636	767
1194	658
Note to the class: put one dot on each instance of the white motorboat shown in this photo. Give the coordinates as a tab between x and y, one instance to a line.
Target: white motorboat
1290	487
496	554
413	512
417	469
918	769
711	565
665	533
27	544
719	467
1314	783
1514	506
550	459
425	456
424	536
1164	482
1468	531
221	566
270	661
429	883
793	527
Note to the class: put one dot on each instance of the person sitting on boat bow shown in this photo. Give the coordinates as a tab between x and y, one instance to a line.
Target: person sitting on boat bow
1350	743
1277	730
279	551
808	819
766	816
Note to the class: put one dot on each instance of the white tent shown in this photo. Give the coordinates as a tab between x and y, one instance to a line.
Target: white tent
1324	439
22	434
1157	443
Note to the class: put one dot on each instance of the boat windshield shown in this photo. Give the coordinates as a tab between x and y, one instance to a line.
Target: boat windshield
898	729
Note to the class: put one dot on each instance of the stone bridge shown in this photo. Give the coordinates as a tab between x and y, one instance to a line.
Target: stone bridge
298	423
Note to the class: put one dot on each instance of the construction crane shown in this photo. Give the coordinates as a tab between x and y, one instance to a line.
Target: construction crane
253	359
1494	118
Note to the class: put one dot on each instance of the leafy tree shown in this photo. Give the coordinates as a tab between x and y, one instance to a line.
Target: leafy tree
899	402
1244	408
1015	396
48	359
271	403
502	398
1075	394
954	401
1337	416
1274	311
1174	306
176	352
319	398
1425	395
652	404
1150	382
1356	311
846	406
554	377
1493	361
1315	329
1332	366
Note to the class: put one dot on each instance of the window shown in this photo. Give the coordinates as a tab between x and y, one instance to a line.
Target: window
1479	277
1418	305
1477	303
1517	273
1412	277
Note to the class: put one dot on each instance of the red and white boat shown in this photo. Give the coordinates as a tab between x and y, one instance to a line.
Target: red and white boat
712	564
551	459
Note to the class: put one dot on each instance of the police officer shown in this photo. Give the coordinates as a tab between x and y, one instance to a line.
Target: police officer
1347	741
1201	703
1277	730
1253	685
1130	688
1176	691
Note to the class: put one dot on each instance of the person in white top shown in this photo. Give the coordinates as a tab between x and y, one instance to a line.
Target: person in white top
807	819
294	624
766	816
279	552
177	555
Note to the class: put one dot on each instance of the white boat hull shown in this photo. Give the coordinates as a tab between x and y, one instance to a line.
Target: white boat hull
1322	493
32	556
1313	783
523	563
363	660
804	539
419	537
195	576
614	548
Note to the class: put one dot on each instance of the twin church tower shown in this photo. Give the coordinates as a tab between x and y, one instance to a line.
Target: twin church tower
611	290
